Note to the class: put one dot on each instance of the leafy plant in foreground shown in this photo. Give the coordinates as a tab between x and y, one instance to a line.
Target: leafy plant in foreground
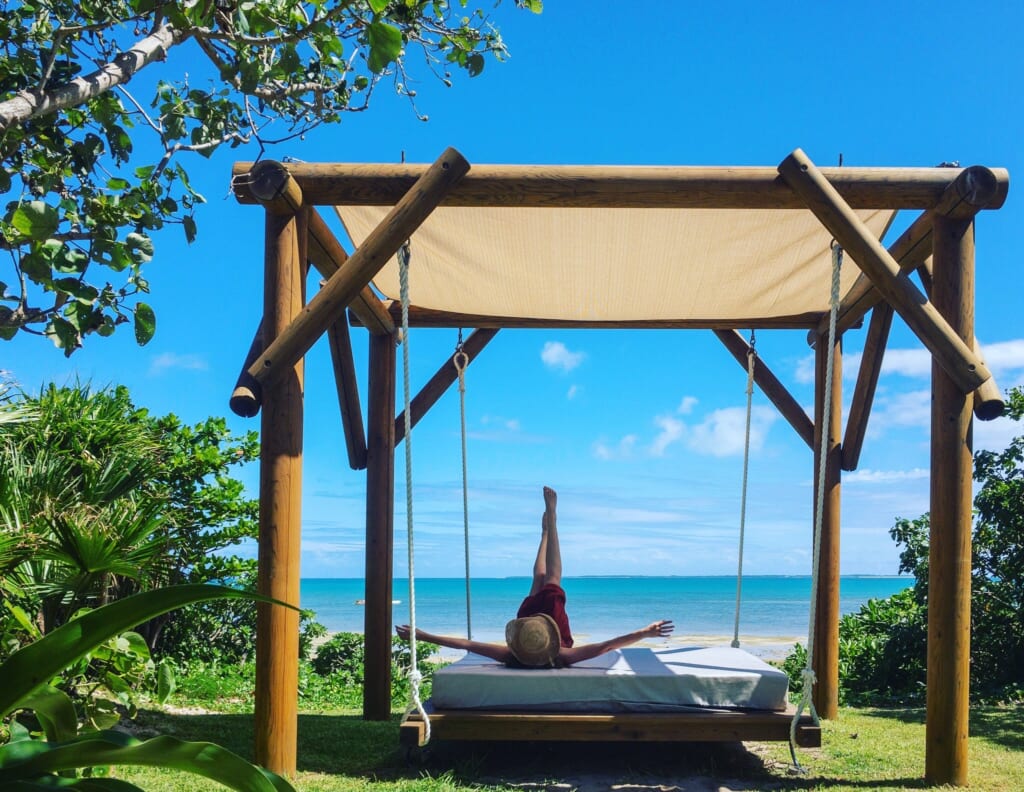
44	760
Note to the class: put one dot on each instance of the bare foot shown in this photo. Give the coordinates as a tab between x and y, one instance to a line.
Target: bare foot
550	499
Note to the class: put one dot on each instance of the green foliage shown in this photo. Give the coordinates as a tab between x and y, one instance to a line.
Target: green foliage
883	647
90	167
342	657
102	500
63	746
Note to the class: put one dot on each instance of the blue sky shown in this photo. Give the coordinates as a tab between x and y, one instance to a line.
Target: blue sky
640	431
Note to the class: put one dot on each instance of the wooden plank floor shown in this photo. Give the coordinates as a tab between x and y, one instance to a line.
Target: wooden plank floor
703	726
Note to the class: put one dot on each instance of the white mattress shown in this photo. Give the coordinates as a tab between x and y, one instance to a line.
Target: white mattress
626	680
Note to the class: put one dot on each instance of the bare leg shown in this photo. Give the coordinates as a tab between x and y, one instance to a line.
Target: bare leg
540	562
553	556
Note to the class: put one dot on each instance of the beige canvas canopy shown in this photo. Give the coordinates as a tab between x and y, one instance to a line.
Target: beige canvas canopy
619	265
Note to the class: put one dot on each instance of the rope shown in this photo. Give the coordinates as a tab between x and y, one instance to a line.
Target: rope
751	359
461	360
404	255
807	677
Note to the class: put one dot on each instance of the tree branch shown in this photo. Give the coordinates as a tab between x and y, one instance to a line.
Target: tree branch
29	104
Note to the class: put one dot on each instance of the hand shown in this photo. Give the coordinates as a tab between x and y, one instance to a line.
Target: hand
403	631
659	629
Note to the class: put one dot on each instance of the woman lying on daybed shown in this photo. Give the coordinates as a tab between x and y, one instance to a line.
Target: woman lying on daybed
539	636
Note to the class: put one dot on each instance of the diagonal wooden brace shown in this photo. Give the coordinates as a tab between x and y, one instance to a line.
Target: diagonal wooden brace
867	381
770	386
441	381
956	358
343	287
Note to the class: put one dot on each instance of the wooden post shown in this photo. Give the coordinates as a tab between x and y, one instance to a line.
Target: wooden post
247	396
277	628
949	558
956	356
826	626
380	519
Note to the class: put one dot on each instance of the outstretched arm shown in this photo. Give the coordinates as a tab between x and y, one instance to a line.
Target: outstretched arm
499	652
576	654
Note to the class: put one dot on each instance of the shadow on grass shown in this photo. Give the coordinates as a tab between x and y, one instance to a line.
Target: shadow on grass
348	746
999	725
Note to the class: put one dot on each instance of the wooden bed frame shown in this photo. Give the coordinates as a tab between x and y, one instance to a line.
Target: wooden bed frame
701	726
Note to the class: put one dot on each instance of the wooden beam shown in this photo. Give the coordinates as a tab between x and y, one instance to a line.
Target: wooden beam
269	183
338	184
328	256
342	287
380	520
955	356
949	557
988	400
440	382
348	394
974	189
867	381
826	626
247	396
277	628
770	385
703	726
428	317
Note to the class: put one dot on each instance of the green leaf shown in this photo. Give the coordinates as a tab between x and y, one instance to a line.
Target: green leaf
189	224
145	324
385	45
31	758
378	5
35	665
165	681
5	180
35	220
475	64
55	712
536	6
140	246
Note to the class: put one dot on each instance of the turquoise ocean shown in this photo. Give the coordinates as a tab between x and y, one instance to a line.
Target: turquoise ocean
774	609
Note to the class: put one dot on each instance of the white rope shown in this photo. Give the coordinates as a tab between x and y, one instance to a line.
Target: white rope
807	677
414	671
461	360
751	358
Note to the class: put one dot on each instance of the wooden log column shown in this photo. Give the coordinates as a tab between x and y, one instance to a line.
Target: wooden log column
826	624
277	628
380	520
949	565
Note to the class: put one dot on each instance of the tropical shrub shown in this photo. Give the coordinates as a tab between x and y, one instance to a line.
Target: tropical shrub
63	744
342	656
883	647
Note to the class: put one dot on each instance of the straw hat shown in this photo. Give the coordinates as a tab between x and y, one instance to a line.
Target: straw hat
533	640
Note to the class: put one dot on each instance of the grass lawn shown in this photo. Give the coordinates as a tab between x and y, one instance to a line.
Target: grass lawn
866	749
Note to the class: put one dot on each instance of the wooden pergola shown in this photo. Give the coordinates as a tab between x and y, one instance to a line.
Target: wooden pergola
938	245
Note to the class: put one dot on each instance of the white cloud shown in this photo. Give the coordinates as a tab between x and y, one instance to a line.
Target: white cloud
557	356
672	430
1004	356
867	476
622	450
573	390
171	360
722	433
805	369
686	405
994	435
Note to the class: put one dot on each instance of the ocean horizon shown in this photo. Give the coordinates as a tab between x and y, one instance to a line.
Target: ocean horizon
774	609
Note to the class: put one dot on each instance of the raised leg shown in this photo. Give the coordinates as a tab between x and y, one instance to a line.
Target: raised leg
540	562
553	556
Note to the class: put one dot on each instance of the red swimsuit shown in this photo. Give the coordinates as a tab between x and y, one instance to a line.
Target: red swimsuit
550	600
